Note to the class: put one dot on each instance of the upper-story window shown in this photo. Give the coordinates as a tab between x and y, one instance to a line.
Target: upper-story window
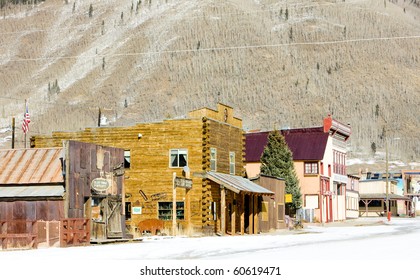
127	159
339	159
213	159
178	157
232	163
311	168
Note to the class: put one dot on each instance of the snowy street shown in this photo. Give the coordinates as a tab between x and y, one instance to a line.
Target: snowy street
364	243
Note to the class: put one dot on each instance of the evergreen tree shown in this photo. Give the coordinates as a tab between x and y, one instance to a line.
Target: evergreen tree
277	161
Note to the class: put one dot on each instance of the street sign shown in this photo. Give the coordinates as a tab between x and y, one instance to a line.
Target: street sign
183	183
288	198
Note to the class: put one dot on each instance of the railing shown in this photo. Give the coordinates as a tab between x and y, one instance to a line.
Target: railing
18	234
75	232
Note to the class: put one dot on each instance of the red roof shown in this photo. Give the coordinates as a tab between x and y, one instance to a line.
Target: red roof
305	143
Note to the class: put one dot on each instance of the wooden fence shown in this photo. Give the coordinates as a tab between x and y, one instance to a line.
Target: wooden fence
18	234
26	234
75	232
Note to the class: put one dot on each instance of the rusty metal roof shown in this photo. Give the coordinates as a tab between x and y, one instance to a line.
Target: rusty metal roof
30	166
38	191
237	183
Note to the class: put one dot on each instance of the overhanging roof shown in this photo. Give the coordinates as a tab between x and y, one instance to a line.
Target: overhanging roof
54	191
382	196
237	184
304	143
30	166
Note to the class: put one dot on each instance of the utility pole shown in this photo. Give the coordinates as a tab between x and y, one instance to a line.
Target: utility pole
388	213
13	132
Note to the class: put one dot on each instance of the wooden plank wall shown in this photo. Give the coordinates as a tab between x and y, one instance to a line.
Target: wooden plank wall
225	138
150	173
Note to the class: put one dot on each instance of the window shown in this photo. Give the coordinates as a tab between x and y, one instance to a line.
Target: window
280	214
339	159
312	201
311	168
178	158
213	159
128	210
127	159
232	163
165	210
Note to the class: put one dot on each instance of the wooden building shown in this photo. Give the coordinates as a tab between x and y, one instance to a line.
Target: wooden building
352	197
166	170
61	196
272	214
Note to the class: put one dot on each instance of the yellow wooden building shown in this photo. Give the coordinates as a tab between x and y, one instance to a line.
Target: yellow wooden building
201	155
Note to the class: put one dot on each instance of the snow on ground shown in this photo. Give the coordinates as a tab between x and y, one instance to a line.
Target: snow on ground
366	247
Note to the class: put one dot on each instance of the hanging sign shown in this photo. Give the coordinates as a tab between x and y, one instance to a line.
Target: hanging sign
288	198
100	184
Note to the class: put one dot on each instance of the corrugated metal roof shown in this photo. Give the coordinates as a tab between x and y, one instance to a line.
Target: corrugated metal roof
304	143
30	166
38	191
237	183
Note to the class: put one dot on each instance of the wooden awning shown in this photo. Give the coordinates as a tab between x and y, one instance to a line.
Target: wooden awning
237	184
382	196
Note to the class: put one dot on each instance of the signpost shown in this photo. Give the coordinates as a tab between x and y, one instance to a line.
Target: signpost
183	183
179	182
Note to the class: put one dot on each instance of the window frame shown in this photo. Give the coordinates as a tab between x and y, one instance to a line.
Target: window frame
184	152
180	206
213	159
310	170
127	159
232	163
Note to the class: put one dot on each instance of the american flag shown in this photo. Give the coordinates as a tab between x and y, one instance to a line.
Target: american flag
26	120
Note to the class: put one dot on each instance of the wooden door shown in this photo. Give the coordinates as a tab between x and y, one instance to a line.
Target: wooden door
113	218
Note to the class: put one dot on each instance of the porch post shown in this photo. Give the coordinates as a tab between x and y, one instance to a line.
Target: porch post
251	215
242	196
173	205
187	207
255	214
223	209
233	215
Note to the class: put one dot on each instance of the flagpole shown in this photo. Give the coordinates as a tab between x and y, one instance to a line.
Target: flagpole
24	120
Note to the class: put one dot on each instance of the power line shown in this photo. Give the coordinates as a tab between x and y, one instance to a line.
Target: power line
319	43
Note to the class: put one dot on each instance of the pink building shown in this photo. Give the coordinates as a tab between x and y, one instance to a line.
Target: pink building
319	155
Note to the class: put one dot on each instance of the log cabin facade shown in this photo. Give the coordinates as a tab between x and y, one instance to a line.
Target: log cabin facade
160	155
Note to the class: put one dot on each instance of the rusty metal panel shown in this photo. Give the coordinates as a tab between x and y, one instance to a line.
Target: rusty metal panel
3	210
55	211
106	161
30	166
30	210
42	210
